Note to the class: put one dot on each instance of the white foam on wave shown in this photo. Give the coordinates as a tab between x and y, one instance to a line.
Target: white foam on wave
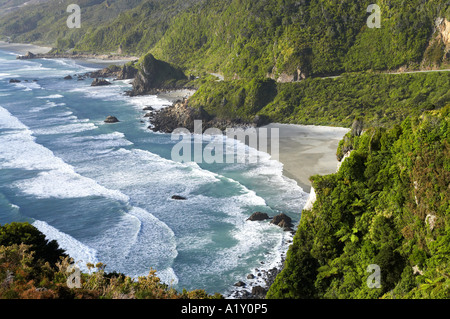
27	86
66	129
66	184
81	253
140	102
105	93
7	75
154	243
47	106
52	96
58	179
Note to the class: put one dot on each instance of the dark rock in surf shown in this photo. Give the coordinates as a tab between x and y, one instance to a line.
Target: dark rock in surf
14	81
282	221
100	82
177	197
111	119
69	77
258	216
27	56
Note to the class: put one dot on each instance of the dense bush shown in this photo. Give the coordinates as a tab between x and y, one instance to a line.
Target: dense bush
387	205
375	99
28	271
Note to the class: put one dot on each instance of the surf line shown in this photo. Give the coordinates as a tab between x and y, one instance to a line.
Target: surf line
223	146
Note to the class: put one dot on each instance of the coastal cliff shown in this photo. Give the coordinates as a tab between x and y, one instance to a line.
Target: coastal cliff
154	76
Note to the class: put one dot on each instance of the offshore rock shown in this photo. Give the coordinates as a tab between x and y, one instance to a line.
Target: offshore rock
111	119
100	82
282	221
258	216
27	56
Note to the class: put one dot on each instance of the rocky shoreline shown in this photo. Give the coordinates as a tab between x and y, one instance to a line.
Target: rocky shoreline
180	114
259	281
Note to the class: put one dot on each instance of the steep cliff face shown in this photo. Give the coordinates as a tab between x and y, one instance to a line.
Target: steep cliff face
154	75
438	50
387	206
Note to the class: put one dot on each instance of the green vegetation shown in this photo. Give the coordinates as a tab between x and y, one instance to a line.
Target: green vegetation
377	99
33	268
242	38
387	205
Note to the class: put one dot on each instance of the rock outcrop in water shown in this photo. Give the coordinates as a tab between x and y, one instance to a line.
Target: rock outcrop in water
258	216
27	56
100	82
155	76
283	221
181	115
111	119
125	72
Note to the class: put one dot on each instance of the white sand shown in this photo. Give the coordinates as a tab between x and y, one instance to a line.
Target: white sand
308	150
176	95
22	49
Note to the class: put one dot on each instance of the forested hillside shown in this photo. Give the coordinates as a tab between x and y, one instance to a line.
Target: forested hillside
305	62
285	40
388	205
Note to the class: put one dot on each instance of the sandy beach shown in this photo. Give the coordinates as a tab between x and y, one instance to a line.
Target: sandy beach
177	95
308	150
104	60
303	150
22	48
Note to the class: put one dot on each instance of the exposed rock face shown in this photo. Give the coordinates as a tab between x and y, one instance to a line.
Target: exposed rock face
181	115
155	75
27	56
100	82
259	292
357	127
283	221
111	119
443	27
258	216
438	50
125	72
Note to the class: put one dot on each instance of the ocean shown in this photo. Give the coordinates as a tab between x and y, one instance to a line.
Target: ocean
104	191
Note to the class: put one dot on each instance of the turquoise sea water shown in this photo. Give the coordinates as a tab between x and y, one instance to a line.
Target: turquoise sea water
103	191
